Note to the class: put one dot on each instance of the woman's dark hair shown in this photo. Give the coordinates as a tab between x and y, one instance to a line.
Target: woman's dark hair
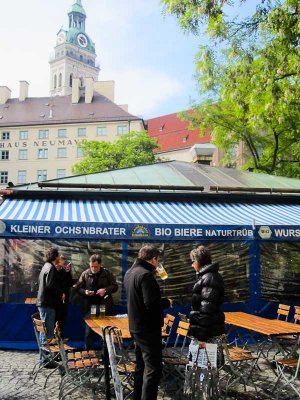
148	252
202	255
52	254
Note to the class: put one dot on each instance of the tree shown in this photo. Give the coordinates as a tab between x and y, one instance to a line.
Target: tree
131	149
250	81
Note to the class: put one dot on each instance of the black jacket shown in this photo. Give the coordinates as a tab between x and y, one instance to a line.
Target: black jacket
50	291
206	318
144	302
104	279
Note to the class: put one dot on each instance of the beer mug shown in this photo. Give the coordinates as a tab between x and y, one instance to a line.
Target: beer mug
102	310
162	272
93	311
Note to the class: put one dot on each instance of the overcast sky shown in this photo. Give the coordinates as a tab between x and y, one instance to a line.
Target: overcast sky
147	55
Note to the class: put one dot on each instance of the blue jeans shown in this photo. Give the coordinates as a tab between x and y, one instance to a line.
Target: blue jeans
47	314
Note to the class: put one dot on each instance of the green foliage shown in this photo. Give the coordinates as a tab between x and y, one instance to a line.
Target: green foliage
250	82
131	149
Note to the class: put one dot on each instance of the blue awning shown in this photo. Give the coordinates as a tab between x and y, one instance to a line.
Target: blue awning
156	220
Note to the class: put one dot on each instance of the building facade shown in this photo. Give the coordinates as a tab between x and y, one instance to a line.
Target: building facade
178	142
40	137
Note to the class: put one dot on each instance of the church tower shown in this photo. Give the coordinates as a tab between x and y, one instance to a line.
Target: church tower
74	54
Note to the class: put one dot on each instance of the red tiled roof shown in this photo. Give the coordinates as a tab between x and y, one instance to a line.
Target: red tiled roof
173	134
36	111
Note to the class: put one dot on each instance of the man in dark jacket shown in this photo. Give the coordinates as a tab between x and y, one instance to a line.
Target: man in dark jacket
96	285
50	294
145	313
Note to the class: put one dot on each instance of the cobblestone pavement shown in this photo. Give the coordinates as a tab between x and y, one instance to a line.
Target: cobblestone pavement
16	383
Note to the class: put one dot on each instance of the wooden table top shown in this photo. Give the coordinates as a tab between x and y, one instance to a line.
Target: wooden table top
98	324
265	326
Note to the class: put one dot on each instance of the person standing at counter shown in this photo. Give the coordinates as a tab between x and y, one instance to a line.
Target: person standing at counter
96	286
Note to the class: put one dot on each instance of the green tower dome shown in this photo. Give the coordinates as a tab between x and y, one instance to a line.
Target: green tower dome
77	8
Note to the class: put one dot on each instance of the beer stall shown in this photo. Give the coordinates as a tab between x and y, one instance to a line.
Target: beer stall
251	223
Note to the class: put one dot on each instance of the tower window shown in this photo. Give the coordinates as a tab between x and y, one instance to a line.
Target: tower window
42	153
3	176
22	176
43	134
41	174
121	129
4	155
5	135
81	131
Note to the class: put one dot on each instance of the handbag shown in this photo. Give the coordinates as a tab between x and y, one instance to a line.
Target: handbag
201	383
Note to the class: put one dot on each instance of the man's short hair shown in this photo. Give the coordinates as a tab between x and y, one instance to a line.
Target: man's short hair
95	257
202	255
52	254
148	252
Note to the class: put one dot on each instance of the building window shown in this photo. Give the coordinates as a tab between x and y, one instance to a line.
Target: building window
4	155
71	80
81	131
62	133
42	174
79	152
62	152
60	173
3	176
54	81
42	153
60	80
101	131
43	134
23	154
121	129
22	176
23	135
5	135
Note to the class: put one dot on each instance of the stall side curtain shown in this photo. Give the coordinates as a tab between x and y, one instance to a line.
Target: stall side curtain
280	271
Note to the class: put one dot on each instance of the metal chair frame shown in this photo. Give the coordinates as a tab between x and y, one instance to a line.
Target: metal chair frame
288	371
80	368
48	348
238	366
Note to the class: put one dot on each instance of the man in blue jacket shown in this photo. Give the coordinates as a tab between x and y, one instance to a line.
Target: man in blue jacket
145	314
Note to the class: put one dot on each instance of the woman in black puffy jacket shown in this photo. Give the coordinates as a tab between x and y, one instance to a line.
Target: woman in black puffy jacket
206	317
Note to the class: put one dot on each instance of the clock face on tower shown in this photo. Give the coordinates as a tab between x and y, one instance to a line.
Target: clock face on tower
82	40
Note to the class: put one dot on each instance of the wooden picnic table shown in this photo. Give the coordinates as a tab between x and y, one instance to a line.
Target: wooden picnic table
264	326
97	324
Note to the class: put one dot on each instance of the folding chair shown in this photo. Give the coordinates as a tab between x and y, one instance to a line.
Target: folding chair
122	366
288	343
80	368
48	349
175	361
288	371
238	366
167	328
283	311
180	345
